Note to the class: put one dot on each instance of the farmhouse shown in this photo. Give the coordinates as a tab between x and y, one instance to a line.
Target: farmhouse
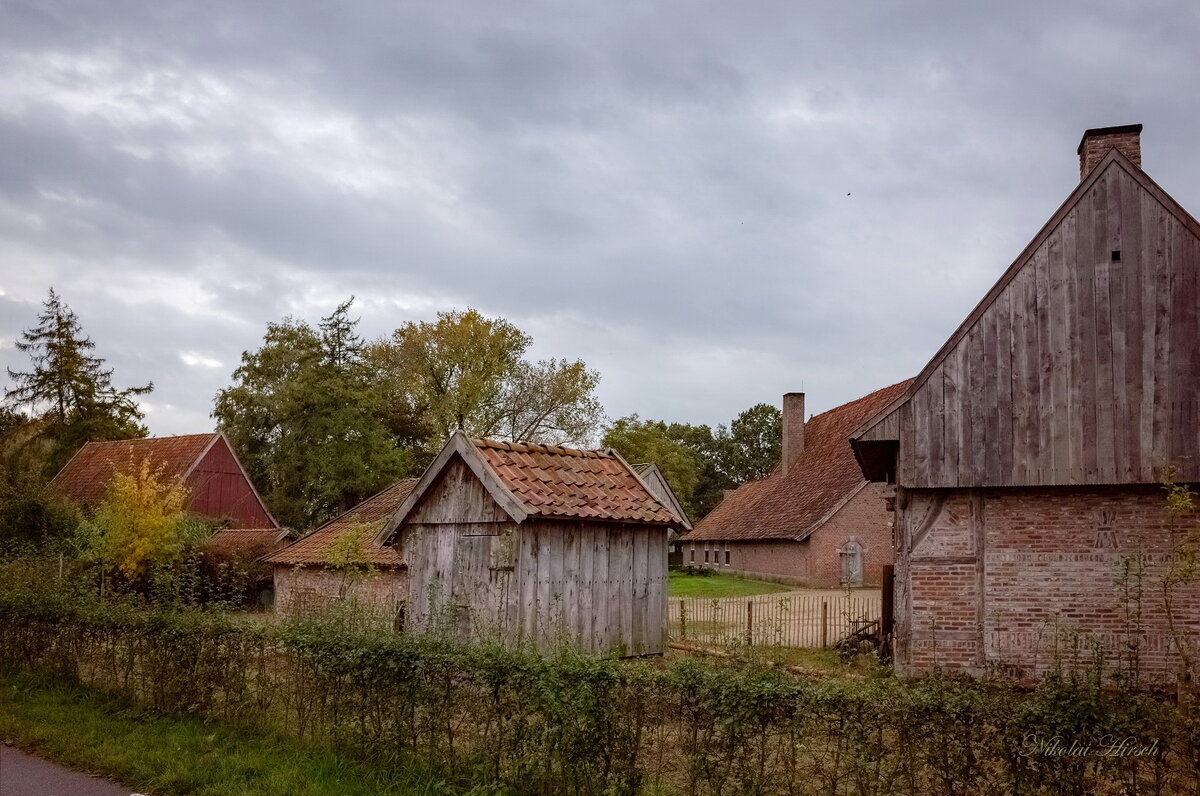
341	560
217	484
816	521
537	544
1026	457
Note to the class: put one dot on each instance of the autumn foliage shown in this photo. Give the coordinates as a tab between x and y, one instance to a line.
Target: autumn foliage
140	522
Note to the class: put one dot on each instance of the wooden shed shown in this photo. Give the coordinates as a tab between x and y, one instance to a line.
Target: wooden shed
535	544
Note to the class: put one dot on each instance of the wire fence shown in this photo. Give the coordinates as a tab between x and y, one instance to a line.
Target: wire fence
789	620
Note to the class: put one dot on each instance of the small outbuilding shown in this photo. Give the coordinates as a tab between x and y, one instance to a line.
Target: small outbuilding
341	561
535	544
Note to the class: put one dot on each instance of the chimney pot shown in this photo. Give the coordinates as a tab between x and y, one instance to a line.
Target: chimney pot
793	429
1096	142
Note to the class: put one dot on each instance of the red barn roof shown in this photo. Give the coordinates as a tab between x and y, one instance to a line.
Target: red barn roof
530	480
792	505
217	483
366	519
564	482
85	478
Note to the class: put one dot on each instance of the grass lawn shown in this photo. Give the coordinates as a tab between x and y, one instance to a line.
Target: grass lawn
681	584
178	755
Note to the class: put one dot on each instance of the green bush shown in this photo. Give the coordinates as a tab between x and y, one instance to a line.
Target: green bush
512	720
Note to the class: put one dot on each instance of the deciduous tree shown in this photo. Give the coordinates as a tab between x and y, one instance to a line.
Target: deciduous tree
466	371
304	413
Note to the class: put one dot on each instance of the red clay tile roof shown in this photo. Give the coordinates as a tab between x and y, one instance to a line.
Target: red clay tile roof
368	518
252	541
564	482
792	505
85	478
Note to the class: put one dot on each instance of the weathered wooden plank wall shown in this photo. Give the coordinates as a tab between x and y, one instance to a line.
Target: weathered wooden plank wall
472	571
1083	369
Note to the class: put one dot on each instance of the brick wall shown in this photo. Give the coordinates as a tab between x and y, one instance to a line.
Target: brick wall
865	520
1029	579
302	589
817	561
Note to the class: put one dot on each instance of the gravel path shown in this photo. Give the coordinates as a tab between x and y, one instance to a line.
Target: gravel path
22	774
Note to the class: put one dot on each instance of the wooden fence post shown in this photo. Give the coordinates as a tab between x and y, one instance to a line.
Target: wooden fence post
749	623
683	619
887	612
824	623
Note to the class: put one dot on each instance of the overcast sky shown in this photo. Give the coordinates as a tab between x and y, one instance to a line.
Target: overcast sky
712	203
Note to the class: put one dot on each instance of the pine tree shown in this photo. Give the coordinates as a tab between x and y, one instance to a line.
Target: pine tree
69	390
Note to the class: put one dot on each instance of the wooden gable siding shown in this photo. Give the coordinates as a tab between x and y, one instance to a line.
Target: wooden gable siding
218	487
457	496
1081	370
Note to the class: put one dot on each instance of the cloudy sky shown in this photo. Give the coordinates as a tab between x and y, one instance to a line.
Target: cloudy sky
711	202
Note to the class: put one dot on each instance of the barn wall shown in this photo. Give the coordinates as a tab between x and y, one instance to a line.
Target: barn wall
782	560
598	586
305	589
1022	578
218	488
815	562
864	519
1083	369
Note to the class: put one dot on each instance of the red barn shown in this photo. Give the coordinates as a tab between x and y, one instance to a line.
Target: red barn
217	484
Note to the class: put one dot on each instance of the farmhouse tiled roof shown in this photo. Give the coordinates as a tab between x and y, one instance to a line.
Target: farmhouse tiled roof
366	520
792	505
552	481
254	541
85	478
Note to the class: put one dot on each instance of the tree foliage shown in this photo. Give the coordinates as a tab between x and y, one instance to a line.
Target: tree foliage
699	463
640	440
305	416
466	371
140	522
68	390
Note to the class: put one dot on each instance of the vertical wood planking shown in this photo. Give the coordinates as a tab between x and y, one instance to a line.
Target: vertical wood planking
1041	410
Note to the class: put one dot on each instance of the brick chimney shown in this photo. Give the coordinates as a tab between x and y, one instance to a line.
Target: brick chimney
1096	143
793	429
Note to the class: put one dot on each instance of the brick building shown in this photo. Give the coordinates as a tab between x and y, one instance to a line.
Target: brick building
317	570
815	521
1024	462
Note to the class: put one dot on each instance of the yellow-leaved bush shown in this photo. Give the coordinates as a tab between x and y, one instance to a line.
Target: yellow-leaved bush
141	521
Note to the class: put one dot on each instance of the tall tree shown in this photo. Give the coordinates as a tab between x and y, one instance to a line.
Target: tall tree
754	443
68	389
466	371
304	413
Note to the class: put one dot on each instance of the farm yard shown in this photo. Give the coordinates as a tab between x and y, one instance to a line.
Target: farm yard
807	618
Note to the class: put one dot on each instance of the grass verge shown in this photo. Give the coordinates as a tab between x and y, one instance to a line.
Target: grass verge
178	755
681	584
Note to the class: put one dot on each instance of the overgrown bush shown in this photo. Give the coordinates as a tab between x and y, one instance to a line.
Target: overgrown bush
516	721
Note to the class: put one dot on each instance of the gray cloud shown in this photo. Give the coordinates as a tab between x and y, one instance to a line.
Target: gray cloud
711	203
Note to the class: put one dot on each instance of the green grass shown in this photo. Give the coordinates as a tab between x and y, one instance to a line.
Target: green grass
176	755
681	584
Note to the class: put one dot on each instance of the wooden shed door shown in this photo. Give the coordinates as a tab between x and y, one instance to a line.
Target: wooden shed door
472	584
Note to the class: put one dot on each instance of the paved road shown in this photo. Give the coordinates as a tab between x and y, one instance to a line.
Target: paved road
23	774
